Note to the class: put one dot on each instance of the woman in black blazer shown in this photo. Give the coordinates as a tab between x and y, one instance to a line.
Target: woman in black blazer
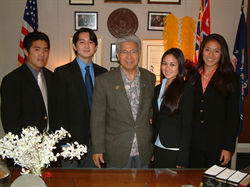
216	108
173	110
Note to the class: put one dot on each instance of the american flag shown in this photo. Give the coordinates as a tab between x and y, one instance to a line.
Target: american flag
30	24
203	26
240	62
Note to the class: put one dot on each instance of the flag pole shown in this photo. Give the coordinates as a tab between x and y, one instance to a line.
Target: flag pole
242	5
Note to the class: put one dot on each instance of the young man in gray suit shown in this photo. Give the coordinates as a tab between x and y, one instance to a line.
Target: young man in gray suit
120	118
72	97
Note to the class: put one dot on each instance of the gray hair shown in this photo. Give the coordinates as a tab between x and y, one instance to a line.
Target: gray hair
128	38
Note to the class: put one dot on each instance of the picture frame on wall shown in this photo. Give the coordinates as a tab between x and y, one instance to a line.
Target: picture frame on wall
113	57
123	1
164	2
81	2
152	51
86	20
156	20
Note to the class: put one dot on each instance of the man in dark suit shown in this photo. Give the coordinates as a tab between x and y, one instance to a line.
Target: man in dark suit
71	97
120	119
23	102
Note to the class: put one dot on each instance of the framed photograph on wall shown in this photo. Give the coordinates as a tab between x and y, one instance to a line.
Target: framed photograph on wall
123	1
113	57
152	51
81	2
98	56
87	20
164	1
156	20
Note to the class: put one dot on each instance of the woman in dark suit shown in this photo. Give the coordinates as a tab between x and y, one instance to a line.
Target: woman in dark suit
173	110
216	108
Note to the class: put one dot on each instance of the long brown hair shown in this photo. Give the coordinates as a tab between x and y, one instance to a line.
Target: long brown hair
173	94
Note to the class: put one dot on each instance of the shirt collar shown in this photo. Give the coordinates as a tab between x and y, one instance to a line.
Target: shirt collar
83	64
124	75
33	71
202	72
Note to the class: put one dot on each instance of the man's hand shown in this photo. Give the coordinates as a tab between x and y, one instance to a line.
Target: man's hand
179	166
226	155
97	158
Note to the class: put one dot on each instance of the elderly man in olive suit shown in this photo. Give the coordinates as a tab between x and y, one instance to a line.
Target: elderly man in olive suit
120	119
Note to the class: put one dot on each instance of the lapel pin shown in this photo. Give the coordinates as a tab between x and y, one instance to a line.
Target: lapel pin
117	87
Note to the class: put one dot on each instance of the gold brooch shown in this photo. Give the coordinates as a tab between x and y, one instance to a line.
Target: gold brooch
117	87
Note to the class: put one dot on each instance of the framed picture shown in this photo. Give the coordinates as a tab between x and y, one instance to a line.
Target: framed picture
98	56
81	2
156	20
113	57
123	1
164	1
152	51
87	20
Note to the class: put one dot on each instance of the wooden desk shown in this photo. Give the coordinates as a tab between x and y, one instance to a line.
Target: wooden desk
120	178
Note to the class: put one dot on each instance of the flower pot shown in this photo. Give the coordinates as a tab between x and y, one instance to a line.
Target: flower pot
28	180
4	175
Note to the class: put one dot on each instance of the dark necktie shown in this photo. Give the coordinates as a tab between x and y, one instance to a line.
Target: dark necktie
89	86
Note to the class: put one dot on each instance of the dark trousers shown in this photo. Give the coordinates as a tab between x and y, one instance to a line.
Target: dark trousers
204	159
164	158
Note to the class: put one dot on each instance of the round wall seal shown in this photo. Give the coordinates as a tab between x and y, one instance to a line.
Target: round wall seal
121	22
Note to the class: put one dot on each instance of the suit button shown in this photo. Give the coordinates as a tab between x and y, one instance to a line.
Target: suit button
45	117
202	101
202	121
201	111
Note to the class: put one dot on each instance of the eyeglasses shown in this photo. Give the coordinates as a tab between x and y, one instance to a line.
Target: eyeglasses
133	52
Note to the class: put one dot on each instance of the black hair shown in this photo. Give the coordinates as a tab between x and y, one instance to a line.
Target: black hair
224	83
92	36
172	95
34	36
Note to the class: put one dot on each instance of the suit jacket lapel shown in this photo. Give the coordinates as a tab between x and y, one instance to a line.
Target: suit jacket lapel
120	92
209	88
96	72
32	82
155	101
47	79
79	82
143	93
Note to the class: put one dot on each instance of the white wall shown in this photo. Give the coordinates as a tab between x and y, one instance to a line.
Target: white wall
56	19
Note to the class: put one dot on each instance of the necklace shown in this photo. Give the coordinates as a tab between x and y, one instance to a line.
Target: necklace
205	77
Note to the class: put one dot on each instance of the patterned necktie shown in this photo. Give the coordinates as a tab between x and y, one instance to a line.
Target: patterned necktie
89	86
